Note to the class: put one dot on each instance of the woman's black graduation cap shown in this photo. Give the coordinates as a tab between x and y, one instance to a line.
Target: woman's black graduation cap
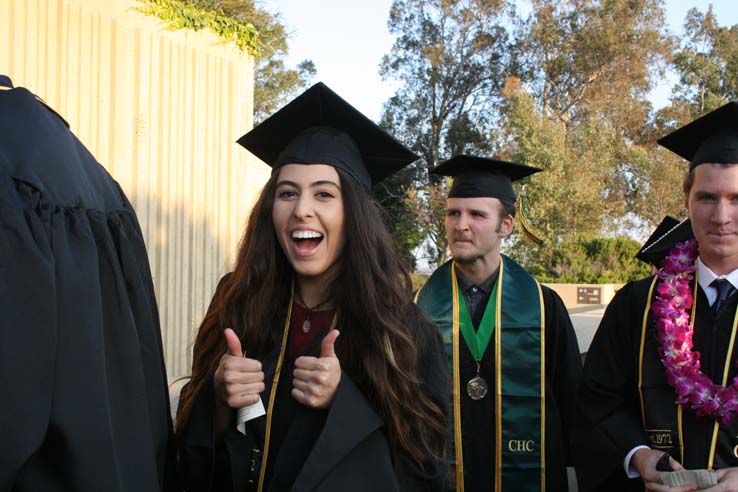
482	177
667	234
712	138
319	127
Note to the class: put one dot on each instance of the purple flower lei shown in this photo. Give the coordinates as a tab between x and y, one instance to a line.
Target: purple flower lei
696	391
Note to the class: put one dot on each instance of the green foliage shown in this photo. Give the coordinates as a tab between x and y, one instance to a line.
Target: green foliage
418	280
274	83
390	193
593	57
427	207
448	57
592	260
707	66
707	63
182	15
579	110
564	89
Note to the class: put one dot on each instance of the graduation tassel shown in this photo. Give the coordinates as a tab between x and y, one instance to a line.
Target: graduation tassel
528	230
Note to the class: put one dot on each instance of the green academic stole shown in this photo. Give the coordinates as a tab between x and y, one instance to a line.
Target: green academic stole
520	416
661	416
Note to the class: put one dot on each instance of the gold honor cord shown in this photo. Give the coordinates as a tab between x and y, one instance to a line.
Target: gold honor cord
275	384
680	412
644	325
726	368
543	388
273	393
457	386
681	434
498	383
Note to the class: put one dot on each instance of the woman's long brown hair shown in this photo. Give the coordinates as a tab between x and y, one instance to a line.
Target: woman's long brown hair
378	346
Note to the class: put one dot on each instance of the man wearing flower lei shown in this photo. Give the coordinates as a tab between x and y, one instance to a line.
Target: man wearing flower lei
512	349
660	374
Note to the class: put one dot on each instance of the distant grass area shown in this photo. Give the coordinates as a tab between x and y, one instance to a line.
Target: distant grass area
419	280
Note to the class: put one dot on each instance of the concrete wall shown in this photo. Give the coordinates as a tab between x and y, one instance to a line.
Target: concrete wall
161	110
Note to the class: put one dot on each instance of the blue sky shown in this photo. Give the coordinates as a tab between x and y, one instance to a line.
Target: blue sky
347	38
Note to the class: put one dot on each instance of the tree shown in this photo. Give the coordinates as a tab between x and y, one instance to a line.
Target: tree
567	199
656	188
593	56
707	63
707	66
448	56
593	260
568	91
391	194
579	110
274	83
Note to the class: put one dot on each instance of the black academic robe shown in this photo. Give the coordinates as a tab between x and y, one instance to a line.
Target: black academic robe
563	372
610	404
84	392
344	447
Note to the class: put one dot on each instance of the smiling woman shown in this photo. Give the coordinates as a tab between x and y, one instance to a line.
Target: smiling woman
308	220
316	258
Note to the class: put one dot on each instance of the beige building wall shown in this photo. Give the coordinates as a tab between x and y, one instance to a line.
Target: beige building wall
161	110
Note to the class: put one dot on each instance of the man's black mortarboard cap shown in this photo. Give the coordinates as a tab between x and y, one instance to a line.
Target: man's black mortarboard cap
482	177
667	224
667	234
319	127
712	138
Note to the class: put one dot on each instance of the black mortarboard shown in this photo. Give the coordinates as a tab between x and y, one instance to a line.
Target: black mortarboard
319	127
482	177
667	234
712	138
667	224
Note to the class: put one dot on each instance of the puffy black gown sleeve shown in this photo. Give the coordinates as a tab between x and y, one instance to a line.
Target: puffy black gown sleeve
84	391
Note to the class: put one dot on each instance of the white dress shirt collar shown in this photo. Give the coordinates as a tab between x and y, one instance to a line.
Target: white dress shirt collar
705	276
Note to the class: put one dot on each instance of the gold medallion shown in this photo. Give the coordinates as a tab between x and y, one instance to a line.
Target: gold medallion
476	388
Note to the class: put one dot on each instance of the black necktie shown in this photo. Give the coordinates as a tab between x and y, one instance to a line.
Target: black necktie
724	290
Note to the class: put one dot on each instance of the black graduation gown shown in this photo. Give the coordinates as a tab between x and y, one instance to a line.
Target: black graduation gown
84	392
609	401
340	448
563	372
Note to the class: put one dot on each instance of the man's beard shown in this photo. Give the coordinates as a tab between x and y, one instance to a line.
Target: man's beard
466	259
